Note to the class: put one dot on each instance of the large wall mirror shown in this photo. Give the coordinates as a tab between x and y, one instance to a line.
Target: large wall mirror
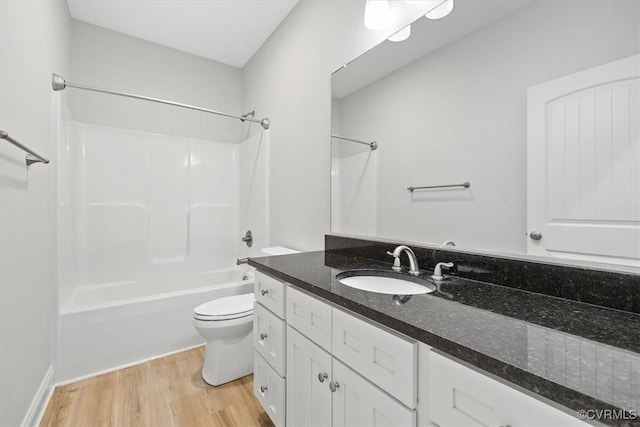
534	104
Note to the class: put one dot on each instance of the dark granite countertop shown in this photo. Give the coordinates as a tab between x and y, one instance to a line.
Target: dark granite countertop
579	355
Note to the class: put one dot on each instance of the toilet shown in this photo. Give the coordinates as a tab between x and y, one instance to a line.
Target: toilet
227	325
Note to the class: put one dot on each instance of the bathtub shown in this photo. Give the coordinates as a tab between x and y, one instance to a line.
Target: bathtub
107	327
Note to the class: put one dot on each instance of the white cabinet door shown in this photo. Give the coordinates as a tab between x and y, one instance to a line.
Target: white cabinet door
583	173
422	409
357	402
460	397
308	378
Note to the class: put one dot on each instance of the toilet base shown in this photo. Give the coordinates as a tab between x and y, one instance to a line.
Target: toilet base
228	359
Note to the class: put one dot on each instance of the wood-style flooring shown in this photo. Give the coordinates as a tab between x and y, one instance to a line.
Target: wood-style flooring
162	392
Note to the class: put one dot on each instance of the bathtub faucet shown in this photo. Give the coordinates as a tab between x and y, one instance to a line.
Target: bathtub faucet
242	261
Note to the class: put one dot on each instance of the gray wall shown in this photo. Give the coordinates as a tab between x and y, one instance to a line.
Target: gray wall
460	114
33	44
104	58
288	79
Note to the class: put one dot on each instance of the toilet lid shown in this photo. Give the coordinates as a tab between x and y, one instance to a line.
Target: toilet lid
226	308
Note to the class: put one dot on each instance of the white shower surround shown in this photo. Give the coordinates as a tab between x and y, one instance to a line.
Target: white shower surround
153	206
149	228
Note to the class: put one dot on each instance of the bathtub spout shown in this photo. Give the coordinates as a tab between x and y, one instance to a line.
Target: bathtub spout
242	261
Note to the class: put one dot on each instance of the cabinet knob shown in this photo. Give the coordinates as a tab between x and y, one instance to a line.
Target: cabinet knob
535	235
322	376
263	388
333	386
263	336
264	291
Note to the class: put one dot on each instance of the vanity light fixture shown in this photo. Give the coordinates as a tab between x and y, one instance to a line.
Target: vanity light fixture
441	11
376	14
401	35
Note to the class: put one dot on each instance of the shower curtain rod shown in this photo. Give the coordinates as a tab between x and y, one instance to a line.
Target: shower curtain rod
59	83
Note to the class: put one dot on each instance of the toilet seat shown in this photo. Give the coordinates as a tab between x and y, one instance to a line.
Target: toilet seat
227	308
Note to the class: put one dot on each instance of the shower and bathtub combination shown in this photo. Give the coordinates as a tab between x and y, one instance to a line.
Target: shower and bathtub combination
149	228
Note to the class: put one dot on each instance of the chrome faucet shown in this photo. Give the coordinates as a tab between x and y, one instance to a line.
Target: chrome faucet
413	261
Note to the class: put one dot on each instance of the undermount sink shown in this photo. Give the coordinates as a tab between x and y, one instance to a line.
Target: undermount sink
384	282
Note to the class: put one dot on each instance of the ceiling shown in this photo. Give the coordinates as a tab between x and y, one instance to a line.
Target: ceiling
227	31
427	36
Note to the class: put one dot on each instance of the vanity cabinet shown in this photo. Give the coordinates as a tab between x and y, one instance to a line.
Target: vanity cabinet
329	355
318	365
322	391
269	343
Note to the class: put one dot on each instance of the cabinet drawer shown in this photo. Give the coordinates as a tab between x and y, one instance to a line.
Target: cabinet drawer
310	316
269	388
385	359
269	337
270	293
460	396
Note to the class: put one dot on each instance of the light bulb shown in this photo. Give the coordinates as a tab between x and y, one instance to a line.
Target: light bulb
440	11
401	35
376	14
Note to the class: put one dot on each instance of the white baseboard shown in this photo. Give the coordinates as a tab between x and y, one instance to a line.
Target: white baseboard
40	401
127	365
